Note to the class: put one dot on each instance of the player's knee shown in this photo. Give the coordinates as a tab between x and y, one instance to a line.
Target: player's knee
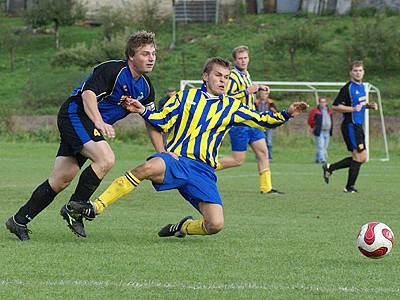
59	182
239	161
107	163
145	170
214	226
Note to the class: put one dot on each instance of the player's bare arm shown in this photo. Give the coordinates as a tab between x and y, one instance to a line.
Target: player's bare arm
92	110
344	108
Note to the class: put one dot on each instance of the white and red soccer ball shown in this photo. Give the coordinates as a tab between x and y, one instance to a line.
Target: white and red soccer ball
375	240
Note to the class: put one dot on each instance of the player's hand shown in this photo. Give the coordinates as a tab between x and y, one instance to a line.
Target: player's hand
358	107
264	88
106	129
296	108
173	155
133	105
253	89
372	105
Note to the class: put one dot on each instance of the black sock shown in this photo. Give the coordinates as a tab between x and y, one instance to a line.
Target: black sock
341	164
353	173
88	183
41	197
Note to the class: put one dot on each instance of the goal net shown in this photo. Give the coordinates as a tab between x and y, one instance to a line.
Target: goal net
316	88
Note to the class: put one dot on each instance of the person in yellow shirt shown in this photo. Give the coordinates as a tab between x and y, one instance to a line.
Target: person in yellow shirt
241	87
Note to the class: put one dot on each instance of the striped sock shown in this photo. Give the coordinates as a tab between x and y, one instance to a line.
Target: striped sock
118	188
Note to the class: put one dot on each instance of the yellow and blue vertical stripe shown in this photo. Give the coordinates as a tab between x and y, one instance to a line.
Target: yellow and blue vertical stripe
238	83
197	122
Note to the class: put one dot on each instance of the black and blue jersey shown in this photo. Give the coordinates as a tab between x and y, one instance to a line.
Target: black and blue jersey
112	81
352	94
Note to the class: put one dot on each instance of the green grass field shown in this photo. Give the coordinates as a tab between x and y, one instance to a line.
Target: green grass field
301	245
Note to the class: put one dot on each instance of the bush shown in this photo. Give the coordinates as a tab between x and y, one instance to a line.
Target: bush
378	45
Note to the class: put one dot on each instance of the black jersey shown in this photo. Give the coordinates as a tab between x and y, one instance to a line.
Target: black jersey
111	81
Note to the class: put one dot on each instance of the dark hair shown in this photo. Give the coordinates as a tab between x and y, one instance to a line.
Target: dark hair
215	61
137	40
356	63
239	49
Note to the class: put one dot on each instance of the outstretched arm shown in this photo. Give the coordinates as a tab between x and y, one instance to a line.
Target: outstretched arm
267	120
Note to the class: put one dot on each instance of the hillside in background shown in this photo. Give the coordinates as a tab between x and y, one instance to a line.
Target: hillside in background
37	87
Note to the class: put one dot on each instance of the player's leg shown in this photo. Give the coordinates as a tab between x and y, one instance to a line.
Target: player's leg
103	159
236	159
259	146
348	137
359	156
211	222
64	170
239	140
326	144
153	170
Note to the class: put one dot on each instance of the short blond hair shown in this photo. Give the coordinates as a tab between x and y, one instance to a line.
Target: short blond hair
208	66
239	49
138	40
356	63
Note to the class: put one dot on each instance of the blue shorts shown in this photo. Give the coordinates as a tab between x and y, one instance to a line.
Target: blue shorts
194	180
353	135
241	136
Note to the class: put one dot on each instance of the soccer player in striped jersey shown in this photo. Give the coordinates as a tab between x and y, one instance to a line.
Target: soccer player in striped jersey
242	88
352	102
197	121
83	121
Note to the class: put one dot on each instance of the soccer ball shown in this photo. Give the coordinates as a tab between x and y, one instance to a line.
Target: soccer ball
375	240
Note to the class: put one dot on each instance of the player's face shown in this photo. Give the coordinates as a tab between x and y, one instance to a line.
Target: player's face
242	60
264	94
357	74
217	80
144	59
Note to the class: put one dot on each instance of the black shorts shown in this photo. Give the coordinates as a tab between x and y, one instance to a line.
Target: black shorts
76	129
353	135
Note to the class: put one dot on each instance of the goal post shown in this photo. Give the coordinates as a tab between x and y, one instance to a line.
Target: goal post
316	88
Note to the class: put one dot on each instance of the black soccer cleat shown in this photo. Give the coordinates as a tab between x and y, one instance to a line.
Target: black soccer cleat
20	230
86	209
74	220
350	190
325	172
273	192
174	229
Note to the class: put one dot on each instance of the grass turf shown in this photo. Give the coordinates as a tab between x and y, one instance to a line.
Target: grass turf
301	245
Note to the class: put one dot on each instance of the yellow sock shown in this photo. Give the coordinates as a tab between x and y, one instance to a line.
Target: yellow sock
194	227
265	181
119	188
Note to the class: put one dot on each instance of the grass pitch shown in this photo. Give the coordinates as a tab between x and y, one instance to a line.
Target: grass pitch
297	246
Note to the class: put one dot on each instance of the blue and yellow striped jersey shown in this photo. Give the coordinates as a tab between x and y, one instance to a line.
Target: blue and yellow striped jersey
197	122
238	83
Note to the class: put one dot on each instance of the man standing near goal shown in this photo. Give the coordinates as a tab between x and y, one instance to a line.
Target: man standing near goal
198	120
84	120
242	88
352	102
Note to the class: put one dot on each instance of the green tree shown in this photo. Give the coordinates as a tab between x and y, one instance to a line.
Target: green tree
55	12
298	37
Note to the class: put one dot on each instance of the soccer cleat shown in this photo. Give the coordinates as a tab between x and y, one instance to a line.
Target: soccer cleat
74	220
174	229
86	209
20	230
273	192
350	190
325	172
